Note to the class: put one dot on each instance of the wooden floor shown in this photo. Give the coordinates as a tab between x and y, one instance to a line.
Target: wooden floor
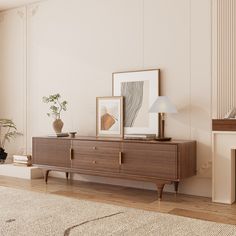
182	205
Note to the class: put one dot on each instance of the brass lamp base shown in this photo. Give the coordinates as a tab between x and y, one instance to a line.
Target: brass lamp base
162	139
161	136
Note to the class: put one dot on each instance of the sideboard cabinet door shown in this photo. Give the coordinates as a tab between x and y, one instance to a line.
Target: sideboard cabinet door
151	160
51	152
96	155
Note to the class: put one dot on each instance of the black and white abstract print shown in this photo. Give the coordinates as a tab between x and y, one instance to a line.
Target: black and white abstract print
133	94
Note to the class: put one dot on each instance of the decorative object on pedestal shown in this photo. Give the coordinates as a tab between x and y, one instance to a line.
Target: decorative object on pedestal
109	116
56	107
139	89
162	105
231	114
8	131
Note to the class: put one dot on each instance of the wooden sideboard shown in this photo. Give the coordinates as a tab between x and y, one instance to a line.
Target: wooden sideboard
158	162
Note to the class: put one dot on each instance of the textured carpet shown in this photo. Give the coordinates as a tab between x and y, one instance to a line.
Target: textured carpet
29	213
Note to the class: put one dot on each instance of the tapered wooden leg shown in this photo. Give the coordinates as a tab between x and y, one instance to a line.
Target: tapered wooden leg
160	187
46	176
176	187
67	175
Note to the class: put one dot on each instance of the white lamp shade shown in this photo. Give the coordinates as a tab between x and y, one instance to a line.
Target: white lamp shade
162	105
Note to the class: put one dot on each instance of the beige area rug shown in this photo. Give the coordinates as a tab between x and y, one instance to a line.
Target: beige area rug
30	213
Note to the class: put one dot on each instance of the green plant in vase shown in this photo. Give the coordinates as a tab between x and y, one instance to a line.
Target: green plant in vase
56	107
8	131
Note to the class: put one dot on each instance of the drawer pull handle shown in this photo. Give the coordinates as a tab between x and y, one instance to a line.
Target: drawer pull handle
71	154
94	162
120	158
94	148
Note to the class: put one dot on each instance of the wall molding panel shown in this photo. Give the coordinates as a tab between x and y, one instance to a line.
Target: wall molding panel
223	57
13	74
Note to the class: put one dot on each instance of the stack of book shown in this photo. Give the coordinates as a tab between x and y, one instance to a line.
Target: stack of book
22	160
140	136
59	135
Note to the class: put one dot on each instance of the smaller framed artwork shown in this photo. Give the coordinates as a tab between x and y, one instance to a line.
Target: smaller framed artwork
109	117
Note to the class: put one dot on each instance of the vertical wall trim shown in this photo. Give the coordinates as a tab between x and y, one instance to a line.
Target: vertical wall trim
143	33
25	82
21	12
190	69
31	11
26	78
223	57
211	61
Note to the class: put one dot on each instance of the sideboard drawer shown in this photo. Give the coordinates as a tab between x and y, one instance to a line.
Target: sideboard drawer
91	155
153	160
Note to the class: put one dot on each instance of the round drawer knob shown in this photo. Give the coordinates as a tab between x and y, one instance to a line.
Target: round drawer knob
94	162
94	148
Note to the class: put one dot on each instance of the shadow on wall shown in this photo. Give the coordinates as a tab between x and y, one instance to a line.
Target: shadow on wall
201	132
196	112
204	160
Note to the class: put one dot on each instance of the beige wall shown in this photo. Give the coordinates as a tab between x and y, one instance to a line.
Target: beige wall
74	46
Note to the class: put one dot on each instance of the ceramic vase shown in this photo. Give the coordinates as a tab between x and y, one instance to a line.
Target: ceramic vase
57	125
3	156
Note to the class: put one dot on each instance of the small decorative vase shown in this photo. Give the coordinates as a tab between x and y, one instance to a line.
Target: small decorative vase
3	156
57	125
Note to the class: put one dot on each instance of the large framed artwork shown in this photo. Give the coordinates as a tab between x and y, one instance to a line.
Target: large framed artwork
109	116
139	89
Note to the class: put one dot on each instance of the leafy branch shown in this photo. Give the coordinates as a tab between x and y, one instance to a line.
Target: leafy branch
56	106
8	131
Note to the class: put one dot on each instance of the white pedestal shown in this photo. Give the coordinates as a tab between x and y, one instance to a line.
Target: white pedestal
22	172
223	159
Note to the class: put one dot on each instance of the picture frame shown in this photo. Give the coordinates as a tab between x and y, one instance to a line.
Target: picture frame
109	116
140	89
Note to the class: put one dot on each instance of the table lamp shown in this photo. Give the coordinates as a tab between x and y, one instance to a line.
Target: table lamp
161	106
